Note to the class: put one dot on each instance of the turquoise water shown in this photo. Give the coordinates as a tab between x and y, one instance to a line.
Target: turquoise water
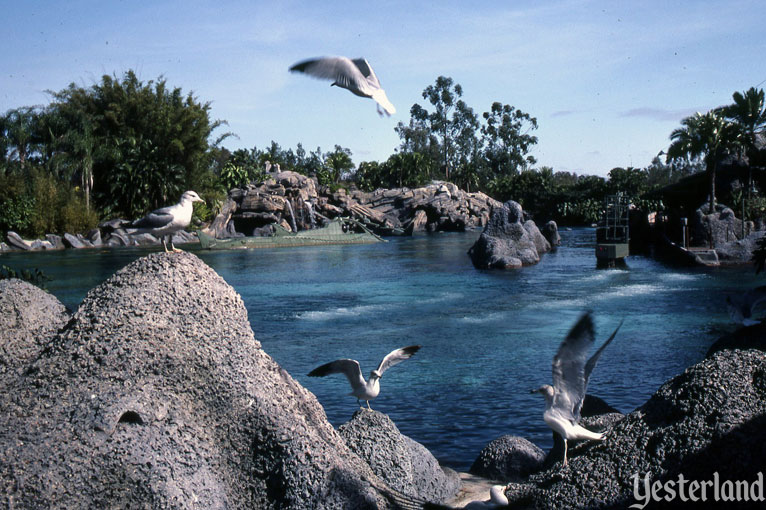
488	337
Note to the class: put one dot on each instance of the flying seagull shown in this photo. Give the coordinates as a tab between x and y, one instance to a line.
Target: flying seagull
355	75
741	307
361	389
168	220
563	400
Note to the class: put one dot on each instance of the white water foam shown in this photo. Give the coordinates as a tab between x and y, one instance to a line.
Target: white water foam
354	311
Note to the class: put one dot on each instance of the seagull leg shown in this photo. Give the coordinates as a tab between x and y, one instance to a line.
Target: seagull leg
172	247
565	452
164	244
368	405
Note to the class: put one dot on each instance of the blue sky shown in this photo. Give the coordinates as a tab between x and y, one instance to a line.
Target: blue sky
607	80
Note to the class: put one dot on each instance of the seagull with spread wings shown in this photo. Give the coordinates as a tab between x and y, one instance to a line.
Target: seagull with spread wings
361	389
355	75
563	400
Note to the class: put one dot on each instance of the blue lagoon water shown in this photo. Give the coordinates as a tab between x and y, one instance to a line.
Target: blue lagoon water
488	337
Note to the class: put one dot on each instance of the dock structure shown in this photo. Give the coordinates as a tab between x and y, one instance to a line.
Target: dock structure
613	232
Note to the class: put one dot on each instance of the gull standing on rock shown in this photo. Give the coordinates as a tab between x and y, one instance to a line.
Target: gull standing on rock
167	220
361	389
563	400
355	75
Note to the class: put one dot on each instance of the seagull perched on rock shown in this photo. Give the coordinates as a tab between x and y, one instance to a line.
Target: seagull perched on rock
361	389
168	220
740	307
563	400
355	75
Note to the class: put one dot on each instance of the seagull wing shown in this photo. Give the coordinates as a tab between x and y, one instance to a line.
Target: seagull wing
590	365
396	357
155	219
339	69
569	368
366	70
348	367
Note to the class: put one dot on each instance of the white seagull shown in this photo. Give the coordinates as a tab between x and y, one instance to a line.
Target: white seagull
361	389
740	307
355	75
168	220
563	400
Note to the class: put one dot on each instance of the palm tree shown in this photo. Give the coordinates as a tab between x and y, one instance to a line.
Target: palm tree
20	125
709	136
749	114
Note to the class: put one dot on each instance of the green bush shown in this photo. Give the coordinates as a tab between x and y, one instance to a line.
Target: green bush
16	206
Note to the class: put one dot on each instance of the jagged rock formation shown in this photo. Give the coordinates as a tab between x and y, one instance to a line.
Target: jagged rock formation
29	317
404	464
506	242
157	395
723	225
508	458
295	201
710	419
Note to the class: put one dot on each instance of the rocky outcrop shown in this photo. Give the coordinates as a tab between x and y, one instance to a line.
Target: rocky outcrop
551	233
722	225
506	242
295	201
404	464
710	419
157	395
508	458
29	317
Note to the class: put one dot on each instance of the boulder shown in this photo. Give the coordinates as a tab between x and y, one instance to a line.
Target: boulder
29	317
75	241
551	232
722	224
508	458
710	421
504	243
94	237
404	464
541	243
16	242
157	395
56	241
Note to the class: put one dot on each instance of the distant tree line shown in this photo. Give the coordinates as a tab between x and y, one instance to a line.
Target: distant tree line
122	147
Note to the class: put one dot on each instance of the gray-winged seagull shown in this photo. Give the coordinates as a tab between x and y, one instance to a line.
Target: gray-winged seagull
563	400
167	220
740	307
355	75
361	389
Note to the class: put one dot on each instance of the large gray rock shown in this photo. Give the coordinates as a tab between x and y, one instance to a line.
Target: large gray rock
404	464
508	458
29	317
722	225
551	232
710	419
505	243
16	242
157	395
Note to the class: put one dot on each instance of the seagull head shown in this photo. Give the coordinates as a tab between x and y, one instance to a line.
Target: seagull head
375	375
545	390
190	196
